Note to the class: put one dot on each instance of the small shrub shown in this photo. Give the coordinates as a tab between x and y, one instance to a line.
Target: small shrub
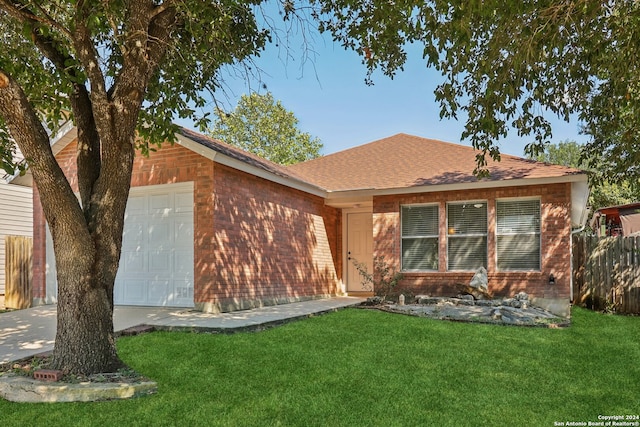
382	281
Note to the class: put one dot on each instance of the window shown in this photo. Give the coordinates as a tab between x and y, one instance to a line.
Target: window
419	237
518	234
467	236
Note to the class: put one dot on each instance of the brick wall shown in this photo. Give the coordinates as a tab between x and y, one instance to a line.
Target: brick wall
270	244
255	242
555	207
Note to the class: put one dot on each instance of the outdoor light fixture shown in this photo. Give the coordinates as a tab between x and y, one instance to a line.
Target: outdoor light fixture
552	280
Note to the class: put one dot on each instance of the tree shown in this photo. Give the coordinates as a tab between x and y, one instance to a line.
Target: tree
508	64
262	126
99	63
603	193
566	153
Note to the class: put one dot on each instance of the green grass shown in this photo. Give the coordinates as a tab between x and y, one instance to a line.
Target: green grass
369	368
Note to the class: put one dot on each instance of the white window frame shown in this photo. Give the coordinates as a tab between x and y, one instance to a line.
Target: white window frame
425	236
453	234
519	233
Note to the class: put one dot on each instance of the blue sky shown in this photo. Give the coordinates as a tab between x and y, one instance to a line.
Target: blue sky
328	95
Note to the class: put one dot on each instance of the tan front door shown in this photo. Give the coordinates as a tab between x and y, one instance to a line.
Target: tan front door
360	248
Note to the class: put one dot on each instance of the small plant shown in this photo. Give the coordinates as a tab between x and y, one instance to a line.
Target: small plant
382	281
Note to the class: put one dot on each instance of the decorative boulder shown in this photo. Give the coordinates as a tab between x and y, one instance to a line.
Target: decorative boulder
480	280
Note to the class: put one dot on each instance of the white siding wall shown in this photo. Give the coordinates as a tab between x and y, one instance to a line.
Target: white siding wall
16	217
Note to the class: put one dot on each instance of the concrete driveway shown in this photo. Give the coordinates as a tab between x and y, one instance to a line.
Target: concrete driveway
24	333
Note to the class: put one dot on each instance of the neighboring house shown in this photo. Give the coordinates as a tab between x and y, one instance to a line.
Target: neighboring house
621	220
16	215
213	227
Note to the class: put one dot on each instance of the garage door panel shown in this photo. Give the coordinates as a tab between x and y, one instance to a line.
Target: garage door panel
183	202
160	235
132	292
133	236
183	231
160	292
183	264
160	261
137	205
183	291
160	203
133	262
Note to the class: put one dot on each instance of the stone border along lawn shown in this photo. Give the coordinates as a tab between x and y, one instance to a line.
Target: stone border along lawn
24	389
509	311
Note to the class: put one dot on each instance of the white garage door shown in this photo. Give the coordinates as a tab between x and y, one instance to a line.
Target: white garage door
156	266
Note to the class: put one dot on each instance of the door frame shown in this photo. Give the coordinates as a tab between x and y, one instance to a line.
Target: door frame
345	245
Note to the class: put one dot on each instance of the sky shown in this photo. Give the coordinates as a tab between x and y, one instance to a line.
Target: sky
328	95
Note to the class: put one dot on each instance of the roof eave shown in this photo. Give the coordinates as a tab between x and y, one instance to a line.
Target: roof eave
223	159
578	181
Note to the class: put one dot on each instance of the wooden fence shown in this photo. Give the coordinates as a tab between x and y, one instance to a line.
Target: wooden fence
18	272
606	273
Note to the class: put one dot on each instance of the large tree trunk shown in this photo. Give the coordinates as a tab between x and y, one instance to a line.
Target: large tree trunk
85	341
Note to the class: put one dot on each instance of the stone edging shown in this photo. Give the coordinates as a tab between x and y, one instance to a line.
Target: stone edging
18	388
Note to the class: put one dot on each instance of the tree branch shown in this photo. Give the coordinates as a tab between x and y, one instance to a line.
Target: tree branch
26	129
19	11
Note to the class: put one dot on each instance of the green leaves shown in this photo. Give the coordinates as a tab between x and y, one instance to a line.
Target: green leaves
262	126
513	64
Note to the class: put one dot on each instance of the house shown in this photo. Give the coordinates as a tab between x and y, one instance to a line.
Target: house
16	218
212	227
620	220
16	215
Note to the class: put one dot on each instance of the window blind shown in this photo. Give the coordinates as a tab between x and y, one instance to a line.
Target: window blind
420	237
467	236
518	235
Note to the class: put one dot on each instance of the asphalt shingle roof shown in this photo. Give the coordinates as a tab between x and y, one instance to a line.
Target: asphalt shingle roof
404	161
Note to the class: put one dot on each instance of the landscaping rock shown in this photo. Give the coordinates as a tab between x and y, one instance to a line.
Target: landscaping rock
480	280
483	311
478	294
429	300
17	388
374	301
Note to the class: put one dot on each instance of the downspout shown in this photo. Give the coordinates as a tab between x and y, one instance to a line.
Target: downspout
576	231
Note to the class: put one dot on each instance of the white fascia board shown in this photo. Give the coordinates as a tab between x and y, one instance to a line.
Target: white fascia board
196	147
67	133
247	168
579	199
338	196
278	179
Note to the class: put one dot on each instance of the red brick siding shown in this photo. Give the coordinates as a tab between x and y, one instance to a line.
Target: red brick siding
275	243
555	234
269	243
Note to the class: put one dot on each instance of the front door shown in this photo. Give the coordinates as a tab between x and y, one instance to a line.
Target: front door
360	248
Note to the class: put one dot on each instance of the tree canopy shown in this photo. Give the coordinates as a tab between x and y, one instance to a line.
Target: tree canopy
512	64
603	193
263	126
121	71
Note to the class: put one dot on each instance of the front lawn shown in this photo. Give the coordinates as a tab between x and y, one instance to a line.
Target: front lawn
364	367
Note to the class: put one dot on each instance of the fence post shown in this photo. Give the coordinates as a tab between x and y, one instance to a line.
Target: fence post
18	272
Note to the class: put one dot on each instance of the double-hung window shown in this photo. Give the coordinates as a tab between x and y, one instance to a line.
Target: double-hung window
419	237
466	236
518	234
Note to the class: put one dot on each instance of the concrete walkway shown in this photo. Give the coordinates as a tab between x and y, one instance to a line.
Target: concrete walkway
24	333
